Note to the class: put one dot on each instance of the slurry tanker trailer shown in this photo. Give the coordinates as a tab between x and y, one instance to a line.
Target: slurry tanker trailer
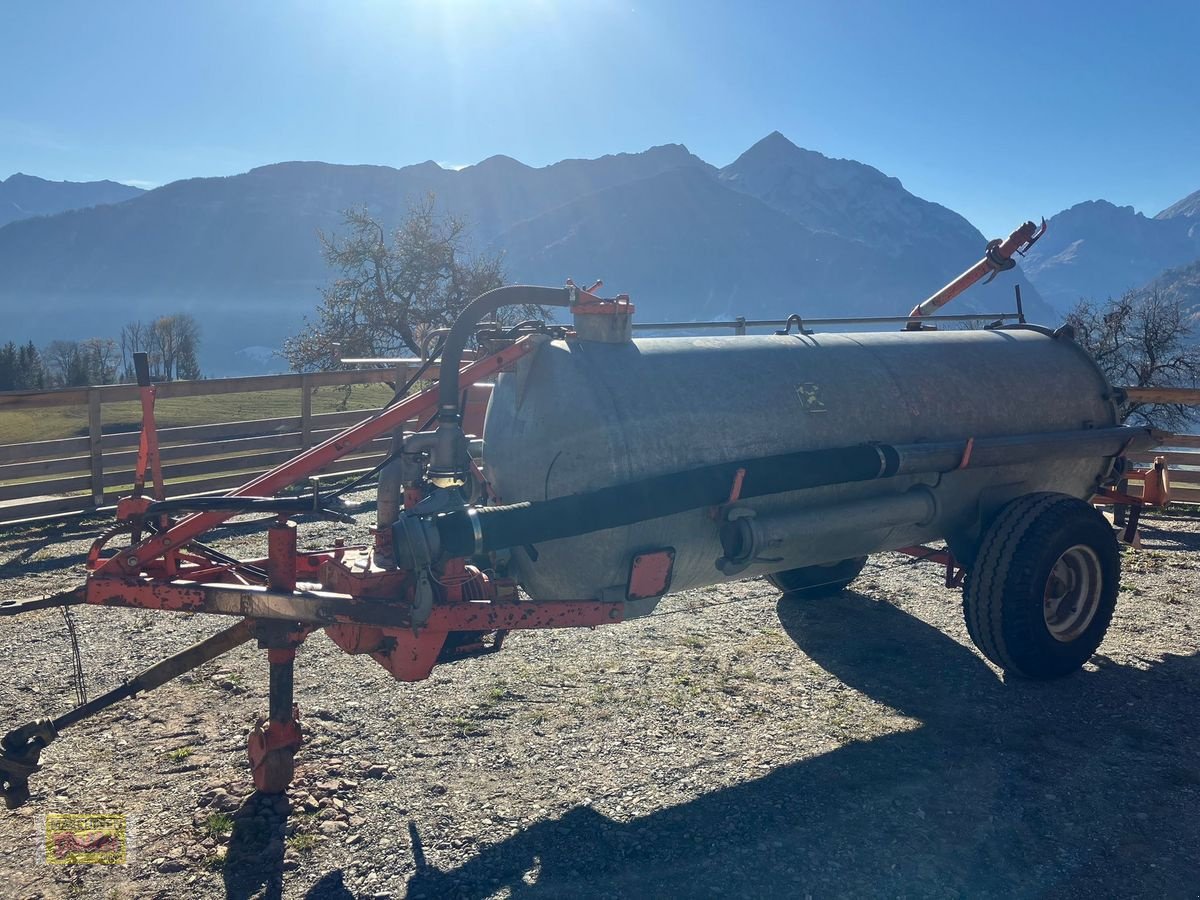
615	470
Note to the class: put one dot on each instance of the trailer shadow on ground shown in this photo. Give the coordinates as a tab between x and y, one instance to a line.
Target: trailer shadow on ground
1082	787
1157	534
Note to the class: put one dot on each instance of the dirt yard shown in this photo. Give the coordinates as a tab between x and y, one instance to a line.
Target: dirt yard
736	744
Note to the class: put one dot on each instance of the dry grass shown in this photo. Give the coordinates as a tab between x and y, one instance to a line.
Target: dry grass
51	423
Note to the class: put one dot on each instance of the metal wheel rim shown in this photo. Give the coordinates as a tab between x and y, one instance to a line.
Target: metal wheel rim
1072	593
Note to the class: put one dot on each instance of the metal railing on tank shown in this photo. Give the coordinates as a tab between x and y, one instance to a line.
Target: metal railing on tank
741	325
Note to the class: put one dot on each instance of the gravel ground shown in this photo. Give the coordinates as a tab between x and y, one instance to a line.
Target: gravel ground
736	744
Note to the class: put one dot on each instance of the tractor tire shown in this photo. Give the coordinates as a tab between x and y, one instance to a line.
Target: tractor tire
815	582
1044	586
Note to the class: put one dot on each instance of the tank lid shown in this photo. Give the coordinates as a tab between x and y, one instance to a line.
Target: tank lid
607	320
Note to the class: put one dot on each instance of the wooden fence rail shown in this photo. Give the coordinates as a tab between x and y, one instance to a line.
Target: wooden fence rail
49	478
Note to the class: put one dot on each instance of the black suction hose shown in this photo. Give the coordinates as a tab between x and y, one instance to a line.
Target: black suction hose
445	457
481	530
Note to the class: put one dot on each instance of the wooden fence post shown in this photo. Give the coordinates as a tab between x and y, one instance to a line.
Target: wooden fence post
305	412
95	435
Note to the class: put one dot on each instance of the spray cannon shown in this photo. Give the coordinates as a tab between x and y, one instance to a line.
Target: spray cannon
614	470
997	258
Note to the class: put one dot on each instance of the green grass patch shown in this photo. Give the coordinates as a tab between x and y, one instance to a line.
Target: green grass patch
464	727
303	842
218	825
55	422
179	754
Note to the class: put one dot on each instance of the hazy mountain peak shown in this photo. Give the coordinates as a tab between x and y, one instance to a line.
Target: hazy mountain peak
23	196
22	179
1188	207
664	153
1100	207
841	196
775	151
312	166
1096	250
499	163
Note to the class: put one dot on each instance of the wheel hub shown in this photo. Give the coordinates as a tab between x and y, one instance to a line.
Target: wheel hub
1072	593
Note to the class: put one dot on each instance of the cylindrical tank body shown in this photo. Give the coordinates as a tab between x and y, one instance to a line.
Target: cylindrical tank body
580	415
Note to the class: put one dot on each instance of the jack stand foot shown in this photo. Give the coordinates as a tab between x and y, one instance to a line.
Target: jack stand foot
273	753
272	746
20	750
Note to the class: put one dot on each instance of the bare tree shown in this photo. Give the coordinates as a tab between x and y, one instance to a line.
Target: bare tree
64	363
1144	339
391	289
135	338
100	357
173	342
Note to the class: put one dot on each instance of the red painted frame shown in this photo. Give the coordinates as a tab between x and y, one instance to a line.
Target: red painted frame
132	561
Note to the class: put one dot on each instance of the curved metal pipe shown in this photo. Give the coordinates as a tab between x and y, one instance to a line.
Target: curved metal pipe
446	456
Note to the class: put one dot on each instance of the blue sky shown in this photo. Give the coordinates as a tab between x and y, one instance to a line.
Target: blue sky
1000	111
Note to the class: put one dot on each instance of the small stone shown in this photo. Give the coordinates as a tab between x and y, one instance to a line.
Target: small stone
330	828
170	865
377	771
208	798
350	785
354	839
326	814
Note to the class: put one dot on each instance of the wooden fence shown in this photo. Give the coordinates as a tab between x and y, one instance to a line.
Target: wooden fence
85	473
1181	452
81	474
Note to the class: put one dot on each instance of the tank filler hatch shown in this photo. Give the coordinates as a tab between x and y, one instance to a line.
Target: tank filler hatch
597	319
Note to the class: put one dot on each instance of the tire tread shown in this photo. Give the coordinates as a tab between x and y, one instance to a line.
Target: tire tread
1008	557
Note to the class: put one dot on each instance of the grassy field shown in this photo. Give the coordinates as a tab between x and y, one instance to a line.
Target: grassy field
51	423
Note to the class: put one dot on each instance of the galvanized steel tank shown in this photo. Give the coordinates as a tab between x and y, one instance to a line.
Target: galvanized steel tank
580	415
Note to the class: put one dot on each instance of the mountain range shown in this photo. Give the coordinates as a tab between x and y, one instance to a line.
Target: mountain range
23	196
780	230
1096	250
